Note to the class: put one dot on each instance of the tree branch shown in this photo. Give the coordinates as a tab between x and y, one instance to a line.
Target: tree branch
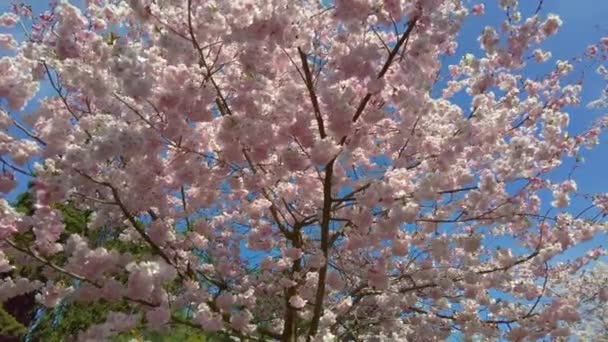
136	225
325	222
311	91
386	66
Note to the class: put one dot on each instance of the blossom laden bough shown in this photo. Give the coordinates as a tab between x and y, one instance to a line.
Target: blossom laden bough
285	170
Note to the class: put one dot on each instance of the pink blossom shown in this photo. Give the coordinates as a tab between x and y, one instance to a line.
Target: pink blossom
158	317
323	151
5	266
479	9
225	301
541	56
7	42
592	50
550	26
50	295
240	320
292	253
489	39
335	281
297	302
317	260
400	247
161	232
375	85
7	183
8	20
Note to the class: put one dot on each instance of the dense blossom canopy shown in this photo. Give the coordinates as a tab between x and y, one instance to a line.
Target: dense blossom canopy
297	170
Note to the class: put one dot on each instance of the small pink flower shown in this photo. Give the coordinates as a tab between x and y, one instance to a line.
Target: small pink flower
5	266
400	247
8	20
158	317
292	253
240	320
592	50
297	302
479	9
551	25
224	301
7	183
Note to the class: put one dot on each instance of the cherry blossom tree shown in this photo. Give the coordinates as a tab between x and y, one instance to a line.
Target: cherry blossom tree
590	288
297	170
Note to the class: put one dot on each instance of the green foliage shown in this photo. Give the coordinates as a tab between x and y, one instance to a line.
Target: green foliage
75	219
178	333
61	325
9	326
58	325
24	203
